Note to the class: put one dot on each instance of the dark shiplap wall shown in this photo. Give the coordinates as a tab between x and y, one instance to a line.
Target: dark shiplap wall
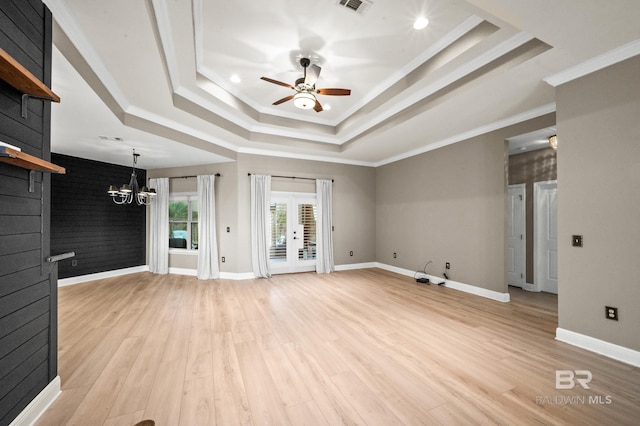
84	220
28	285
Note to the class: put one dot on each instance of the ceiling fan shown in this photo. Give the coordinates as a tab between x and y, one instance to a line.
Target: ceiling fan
305	87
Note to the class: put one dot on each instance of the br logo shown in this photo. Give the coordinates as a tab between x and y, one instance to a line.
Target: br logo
566	379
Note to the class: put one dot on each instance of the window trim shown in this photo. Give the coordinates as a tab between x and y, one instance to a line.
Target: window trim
188	197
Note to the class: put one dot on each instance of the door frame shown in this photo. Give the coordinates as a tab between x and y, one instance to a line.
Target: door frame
523	230
537	222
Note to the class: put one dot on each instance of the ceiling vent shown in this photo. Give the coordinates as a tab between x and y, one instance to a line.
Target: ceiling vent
358	6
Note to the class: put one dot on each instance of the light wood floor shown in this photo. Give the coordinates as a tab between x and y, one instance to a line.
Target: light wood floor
356	347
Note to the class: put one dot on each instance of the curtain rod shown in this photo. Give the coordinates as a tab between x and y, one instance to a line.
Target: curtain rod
186	177
290	177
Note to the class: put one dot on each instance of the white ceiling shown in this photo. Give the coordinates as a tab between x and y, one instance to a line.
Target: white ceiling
156	74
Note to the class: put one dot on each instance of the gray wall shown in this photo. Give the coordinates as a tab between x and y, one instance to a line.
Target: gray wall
599	198
448	205
353	205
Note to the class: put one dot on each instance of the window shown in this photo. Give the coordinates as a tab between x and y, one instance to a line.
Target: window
183	222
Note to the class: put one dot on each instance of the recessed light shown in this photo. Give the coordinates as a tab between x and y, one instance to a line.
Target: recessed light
421	23
326	107
235	78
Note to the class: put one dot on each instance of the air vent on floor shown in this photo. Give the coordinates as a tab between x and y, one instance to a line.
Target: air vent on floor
358	6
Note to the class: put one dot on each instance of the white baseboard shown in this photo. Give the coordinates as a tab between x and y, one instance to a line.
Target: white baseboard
530	287
352	266
478	291
101	275
610	350
237	276
39	405
223	275
467	288
184	271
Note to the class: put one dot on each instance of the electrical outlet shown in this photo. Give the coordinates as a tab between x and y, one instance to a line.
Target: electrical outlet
611	313
228	229
447	265
395	255
224	259
74	262
351	253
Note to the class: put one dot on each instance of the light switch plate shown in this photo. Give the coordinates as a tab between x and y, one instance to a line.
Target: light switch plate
576	240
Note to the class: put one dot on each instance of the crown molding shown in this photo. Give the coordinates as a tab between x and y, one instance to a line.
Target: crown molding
597	63
496	52
509	121
298	156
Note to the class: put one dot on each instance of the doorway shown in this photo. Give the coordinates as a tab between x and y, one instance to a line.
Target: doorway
546	236
293	232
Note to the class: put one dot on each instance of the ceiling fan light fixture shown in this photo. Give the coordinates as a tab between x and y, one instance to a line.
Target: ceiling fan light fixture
304	100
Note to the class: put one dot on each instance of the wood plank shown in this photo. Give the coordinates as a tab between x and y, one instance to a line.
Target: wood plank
95	407
166	394
266	406
198	405
29	162
128	419
21	78
365	347
231	403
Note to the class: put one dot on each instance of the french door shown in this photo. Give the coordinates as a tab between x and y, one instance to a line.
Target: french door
293	232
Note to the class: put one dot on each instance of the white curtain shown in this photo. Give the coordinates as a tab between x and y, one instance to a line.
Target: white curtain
208	267
324	227
260	219
159	227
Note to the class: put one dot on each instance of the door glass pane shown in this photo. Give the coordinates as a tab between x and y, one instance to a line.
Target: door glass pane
278	243
307	218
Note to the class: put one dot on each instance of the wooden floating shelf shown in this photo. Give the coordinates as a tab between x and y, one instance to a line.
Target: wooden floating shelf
21	79
29	162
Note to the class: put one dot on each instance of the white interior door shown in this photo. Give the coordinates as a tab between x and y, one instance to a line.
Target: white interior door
546	240
293	232
516	250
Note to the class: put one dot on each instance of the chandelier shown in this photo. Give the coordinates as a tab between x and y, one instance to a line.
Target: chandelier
130	192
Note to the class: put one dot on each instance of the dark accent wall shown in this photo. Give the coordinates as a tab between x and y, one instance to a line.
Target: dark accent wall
104	236
28	285
527	168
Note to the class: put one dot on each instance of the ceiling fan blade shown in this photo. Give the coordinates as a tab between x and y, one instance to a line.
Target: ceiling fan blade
285	99
312	74
279	83
334	92
317	107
